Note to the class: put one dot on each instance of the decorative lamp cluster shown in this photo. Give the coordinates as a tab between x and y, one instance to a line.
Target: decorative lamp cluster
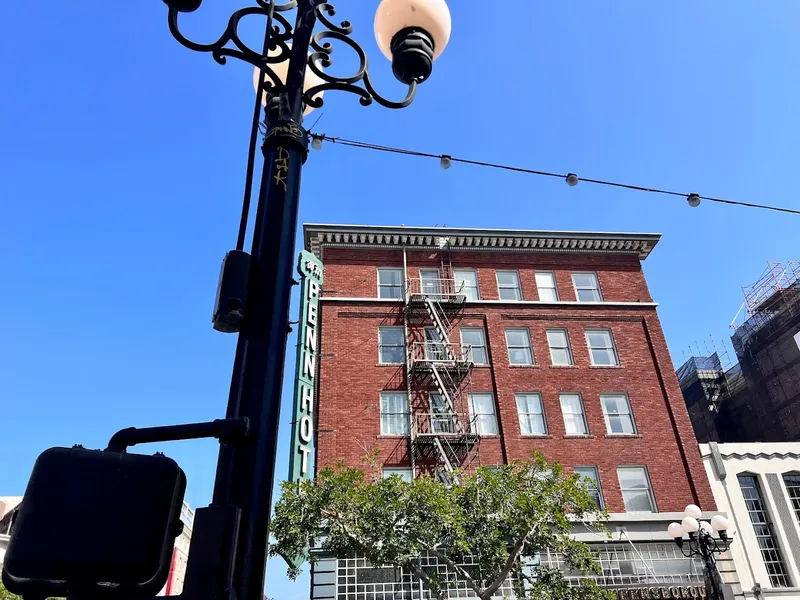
693	526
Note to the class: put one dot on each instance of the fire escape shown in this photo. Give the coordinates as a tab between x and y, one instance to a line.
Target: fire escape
444	436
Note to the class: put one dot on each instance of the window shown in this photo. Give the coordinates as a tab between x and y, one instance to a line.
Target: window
531	414
390	283
519	347
765	534
602	351
391	347
546	285
636	492
394	413
481	407
574	419
435	348
586	287
473	336
560	353
792	483
431	283
466	281
508	285
590	479
617	412
443	420
402	472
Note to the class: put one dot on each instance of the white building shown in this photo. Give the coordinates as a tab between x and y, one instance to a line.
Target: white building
7	514
758	486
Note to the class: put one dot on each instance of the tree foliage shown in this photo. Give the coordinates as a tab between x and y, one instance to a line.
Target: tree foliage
6	595
495	517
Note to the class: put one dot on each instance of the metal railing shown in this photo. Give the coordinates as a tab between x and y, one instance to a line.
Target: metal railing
444	423
440	353
436	289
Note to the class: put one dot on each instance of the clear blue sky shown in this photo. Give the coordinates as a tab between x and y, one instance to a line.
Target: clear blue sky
123	164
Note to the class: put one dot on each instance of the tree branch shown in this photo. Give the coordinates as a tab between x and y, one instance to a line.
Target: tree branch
427	579
460	570
516	550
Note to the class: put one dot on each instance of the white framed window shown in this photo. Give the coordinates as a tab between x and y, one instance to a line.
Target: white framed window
637	494
602	351
391	345
443	419
431	283
435	348
617	413
518	341
475	337
481	407
466	281
531	414
508	285
591	480
587	289
394	413
390	283
546	286
560	352
574	417
403	473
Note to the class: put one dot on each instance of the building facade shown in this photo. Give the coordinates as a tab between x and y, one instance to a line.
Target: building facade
452	348
758	485
758	398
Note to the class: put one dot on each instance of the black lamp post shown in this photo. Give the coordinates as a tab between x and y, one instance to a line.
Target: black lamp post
702	542
412	33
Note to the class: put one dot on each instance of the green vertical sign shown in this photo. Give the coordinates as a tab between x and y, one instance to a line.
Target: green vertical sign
310	269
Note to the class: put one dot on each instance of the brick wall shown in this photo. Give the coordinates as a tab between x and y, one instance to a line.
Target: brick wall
351	377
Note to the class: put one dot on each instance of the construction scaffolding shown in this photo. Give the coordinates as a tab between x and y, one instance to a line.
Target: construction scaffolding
767	345
444	434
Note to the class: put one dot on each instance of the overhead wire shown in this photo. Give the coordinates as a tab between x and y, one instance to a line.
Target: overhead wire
480	163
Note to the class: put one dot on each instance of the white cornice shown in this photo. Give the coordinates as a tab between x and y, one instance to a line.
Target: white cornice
317	236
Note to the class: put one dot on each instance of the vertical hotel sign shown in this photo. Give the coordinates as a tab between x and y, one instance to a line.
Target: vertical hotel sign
310	269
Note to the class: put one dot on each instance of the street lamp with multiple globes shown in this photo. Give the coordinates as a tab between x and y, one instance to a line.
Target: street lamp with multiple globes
702	542
290	78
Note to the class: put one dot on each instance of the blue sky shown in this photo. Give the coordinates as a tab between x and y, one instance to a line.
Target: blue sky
123	165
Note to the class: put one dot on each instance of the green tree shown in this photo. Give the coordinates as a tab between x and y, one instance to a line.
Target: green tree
6	595
495	517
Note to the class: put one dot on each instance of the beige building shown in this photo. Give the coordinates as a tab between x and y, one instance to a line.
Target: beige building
758	486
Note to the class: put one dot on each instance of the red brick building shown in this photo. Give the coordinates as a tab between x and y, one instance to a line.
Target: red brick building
451	348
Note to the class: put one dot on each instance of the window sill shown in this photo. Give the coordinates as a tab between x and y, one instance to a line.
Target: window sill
605	366
523	366
395	365
536	436
481	365
563	366
386	436
612	436
576	436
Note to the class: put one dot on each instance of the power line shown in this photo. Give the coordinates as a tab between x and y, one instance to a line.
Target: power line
571	178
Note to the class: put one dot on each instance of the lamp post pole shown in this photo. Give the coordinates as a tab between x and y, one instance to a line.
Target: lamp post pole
702	542
413	33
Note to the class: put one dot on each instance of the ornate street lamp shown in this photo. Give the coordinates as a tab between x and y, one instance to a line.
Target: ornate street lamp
702	542
253	299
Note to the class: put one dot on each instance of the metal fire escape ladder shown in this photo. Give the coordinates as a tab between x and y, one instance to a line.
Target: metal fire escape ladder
441	324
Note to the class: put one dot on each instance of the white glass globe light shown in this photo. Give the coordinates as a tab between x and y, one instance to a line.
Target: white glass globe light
693	511
690	524
719	523
705	526
675	530
281	68
431	15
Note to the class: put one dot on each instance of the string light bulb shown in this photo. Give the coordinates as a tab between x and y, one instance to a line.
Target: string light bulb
572	180
693	200
316	142
445	161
